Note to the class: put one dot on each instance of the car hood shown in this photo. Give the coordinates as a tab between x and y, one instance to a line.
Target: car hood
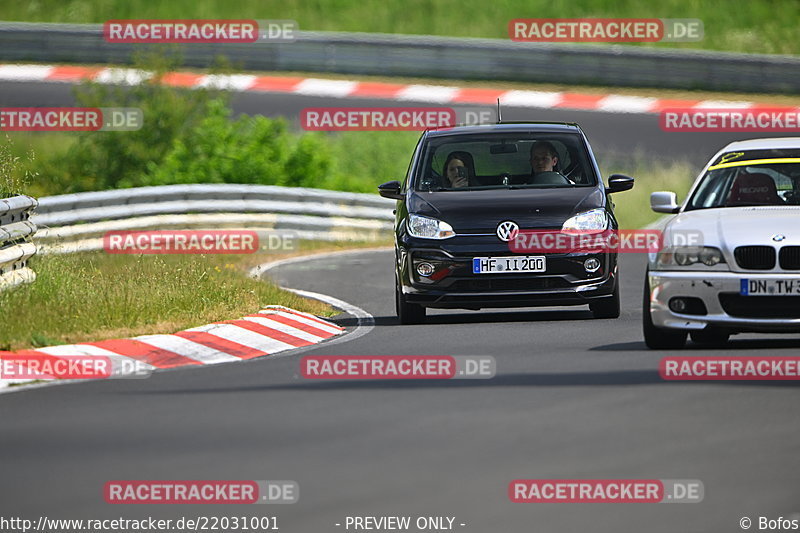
729	227
482	210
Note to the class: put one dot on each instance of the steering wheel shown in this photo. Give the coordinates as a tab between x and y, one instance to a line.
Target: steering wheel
550	178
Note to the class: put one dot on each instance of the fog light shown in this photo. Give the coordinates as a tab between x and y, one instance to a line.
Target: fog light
424	269
591	264
688	305
678	305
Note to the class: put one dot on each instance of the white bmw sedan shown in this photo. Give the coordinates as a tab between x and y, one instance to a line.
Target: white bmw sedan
730	260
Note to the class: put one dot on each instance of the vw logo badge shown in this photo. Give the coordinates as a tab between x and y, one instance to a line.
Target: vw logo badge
507	230
776	238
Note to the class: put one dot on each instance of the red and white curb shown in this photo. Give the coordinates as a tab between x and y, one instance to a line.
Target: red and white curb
437	94
272	330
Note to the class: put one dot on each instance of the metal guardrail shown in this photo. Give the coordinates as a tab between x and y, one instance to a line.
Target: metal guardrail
435	57
77	222
16	231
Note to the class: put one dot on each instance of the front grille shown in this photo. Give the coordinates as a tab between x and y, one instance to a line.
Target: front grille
790	258
755	257
740	306
528	284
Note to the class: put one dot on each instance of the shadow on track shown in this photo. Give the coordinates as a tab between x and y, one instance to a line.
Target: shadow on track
477	318
691	347
573	379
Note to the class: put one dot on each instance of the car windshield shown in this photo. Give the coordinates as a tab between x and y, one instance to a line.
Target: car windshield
752	178
518	160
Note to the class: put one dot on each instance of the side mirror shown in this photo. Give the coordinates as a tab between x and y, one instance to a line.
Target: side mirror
390	189
619	183
664	202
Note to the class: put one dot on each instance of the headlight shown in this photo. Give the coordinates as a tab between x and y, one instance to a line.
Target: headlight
429	228
594	220
690	255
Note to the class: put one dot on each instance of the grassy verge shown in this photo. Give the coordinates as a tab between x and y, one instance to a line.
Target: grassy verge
633	207
95	296
756	26
16	167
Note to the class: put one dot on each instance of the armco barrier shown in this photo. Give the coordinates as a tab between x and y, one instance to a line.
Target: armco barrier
435	57
73	222
15	240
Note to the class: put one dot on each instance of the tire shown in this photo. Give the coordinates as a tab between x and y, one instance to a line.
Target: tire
711	338
607	307
407	313
654	337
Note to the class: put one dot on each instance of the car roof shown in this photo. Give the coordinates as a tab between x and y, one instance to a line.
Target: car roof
508	127
763	144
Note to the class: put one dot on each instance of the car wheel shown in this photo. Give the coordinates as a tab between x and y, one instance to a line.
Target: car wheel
654	337
712	337
407	313
608	307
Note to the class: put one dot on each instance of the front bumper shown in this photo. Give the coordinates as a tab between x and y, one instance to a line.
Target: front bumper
724	307
565	281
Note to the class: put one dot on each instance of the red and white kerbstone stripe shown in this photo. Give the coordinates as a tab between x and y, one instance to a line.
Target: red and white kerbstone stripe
434	94
271	330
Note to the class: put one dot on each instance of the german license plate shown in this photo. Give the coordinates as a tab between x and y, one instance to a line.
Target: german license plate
769	287
513	264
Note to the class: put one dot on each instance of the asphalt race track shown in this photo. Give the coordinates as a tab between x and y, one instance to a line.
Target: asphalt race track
574	398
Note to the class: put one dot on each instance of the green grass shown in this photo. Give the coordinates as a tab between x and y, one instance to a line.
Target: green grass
16	166
364	160
758	26
93	296
632	207
24	159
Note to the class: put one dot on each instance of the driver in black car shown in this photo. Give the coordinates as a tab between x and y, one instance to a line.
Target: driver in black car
544	165
544	157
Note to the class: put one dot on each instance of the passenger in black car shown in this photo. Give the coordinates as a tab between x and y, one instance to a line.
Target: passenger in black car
459	169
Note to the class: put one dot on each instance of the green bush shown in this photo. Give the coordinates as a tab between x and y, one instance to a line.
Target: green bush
107	160
191	137
246	150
